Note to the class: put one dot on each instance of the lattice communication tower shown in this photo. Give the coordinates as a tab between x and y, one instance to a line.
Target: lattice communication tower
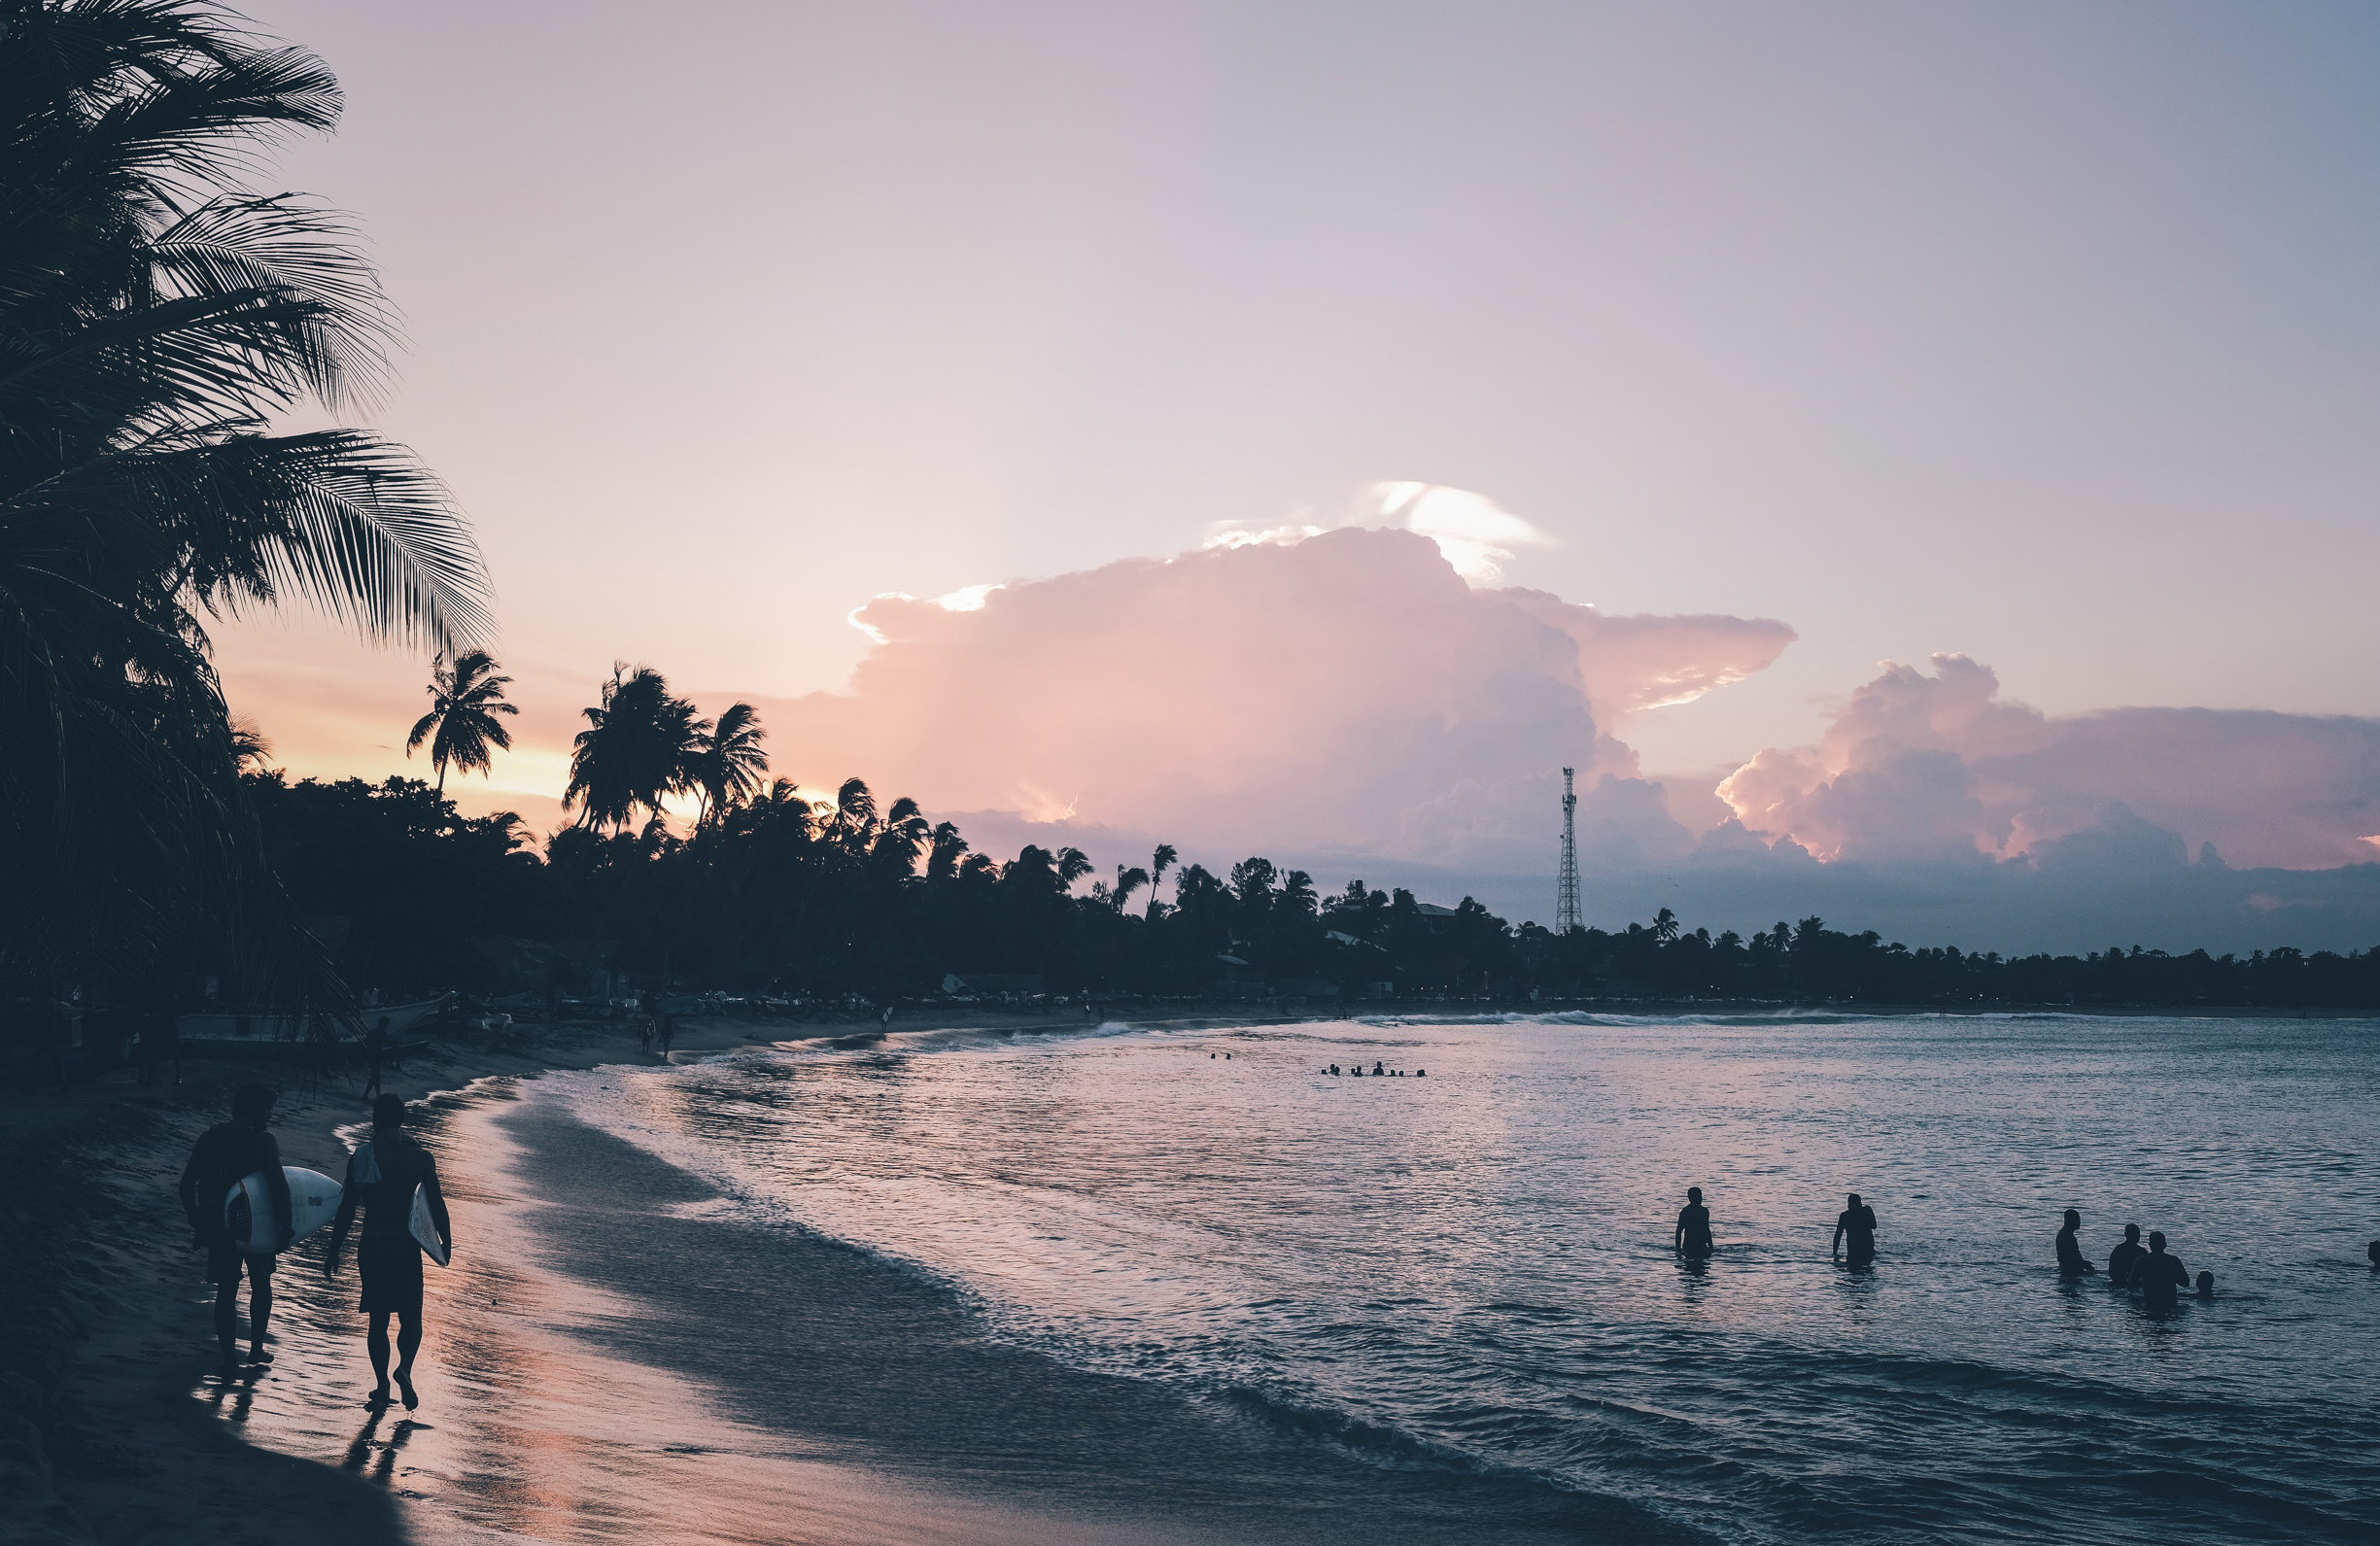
1566	905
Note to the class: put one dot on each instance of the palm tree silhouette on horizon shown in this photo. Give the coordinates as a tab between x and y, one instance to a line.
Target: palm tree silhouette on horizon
640	747
461	726
728	765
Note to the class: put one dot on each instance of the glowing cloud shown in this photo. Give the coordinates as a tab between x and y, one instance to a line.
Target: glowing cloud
1918	765
1348	689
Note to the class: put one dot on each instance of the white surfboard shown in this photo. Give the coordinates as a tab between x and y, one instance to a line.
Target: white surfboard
425	1228
248	1208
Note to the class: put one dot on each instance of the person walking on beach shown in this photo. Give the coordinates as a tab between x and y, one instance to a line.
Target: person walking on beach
668	1033
383	1175
2160	1278
2120	1260
1856	1224
223	1156
2071	1263
376	1048
1692	1236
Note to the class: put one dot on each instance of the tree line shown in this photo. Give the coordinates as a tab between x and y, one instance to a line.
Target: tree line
777	894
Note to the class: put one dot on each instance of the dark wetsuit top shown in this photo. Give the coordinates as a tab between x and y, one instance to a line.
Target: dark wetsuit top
224	1155
381	1177
2070	1258
2120	1262
2160	1277
1858	1227
1694	1230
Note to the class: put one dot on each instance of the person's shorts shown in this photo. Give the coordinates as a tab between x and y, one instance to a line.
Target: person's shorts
391	1268
223	1264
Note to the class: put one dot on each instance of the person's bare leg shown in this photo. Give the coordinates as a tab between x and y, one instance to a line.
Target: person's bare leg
376	1343
227	1321
260	1314
409	1343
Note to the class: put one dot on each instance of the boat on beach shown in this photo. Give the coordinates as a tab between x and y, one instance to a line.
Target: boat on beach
264	1033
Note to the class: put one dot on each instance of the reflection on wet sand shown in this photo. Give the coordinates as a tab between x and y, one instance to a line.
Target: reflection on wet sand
524	1432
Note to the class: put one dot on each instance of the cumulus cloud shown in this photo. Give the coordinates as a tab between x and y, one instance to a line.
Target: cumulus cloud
1346	690
1919	766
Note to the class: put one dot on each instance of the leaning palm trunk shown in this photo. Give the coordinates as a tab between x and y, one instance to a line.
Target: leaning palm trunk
153	322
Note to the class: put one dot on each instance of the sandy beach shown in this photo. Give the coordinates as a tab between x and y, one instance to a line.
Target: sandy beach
112	1429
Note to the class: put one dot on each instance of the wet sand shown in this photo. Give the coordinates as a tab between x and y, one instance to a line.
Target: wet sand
113	1429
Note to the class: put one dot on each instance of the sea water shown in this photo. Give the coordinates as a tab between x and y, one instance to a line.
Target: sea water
1191	1275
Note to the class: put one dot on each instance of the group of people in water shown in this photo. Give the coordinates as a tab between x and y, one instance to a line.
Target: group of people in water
2150	1271
384	1175
1854	1230
1378	1072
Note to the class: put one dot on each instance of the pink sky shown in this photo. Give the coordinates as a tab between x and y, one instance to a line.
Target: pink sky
2036	334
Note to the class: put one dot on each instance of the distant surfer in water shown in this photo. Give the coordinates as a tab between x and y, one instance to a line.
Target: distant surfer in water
223	1156
1692	1236
381	1177
2071	1263
1856	1225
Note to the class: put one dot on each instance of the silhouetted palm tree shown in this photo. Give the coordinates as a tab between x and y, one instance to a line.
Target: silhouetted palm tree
156	321
729	765
638	749
1158	863
461	726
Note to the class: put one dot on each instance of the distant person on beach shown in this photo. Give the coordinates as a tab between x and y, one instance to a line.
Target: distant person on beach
2120	1260
1855	1224
1692	1236
2159	1276
668	1033
223	1156
376	1048
2070	1258
382	1176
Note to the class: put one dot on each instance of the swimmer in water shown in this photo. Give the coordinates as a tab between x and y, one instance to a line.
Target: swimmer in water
2206	1285
1376	1068
2373	1251
2159	1276
1692	1236
2120	1260
1856	1224
2071	1262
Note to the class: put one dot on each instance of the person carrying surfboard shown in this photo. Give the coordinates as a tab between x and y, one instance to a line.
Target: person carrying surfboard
384	1176
225	1154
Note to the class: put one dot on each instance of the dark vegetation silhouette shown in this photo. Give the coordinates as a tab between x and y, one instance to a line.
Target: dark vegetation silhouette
158	318
772	892
462	726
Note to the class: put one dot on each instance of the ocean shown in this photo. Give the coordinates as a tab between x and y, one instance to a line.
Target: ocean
1186	1284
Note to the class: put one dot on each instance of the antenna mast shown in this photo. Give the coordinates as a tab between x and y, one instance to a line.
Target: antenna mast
1566	905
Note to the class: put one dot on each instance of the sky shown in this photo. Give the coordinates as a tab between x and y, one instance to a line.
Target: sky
1788	348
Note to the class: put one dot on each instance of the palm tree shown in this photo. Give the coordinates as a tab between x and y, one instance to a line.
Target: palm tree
461	726
638	749
1127	882
157	321
1158	863
729	765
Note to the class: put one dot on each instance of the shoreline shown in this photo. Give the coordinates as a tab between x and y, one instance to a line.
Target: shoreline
105	1323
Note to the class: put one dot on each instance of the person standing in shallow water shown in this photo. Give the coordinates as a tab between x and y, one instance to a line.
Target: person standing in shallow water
223	1156
2160	1278
1692	1236
1856	1226
382	1176
2120	1260
2071	1262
